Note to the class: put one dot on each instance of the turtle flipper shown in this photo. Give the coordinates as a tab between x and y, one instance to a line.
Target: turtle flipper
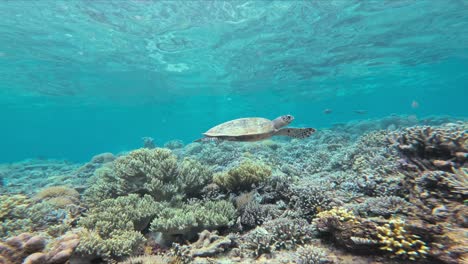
295	132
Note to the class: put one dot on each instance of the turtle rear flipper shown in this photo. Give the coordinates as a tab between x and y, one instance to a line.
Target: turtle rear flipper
295	132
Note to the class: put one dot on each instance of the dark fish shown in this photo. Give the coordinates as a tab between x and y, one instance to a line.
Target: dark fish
327	111
360	112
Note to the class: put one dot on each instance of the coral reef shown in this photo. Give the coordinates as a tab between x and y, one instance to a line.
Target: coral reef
375	191
111	228
209	244
248	173
281	233
59	196
28	249
158	173
400	242
189	219
311	255
150	259
433	147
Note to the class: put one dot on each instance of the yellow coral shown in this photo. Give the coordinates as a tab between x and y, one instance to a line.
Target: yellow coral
10	203
57	191
244	176
400	242
338	212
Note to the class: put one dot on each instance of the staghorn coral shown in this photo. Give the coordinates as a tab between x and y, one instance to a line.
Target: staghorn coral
458	181
242	177
191	218
395	239
111	228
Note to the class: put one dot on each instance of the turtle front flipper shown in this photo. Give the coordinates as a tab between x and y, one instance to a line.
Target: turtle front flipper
295	132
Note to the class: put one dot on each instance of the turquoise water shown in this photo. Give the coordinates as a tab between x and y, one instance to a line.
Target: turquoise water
79	78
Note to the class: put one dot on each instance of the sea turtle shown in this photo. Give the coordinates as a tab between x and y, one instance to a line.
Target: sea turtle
254	129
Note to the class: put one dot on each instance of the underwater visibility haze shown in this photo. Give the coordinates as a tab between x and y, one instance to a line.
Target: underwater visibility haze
102	103
84	77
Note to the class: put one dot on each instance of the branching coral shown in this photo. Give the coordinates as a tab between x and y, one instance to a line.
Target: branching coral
281	233
104	184
248	173
289	233
383	206
308	198
423	145
311	255
458	181
397	240
21	214
111	228
208	244
191	218
158	173
259	241
150	259
149	171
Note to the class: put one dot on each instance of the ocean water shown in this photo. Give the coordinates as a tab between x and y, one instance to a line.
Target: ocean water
84	77
101	100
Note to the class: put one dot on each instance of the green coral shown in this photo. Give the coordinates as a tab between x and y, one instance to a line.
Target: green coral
193	176
20	214
118	243
191	218
13	206
156	172
111	227
104	184
243	176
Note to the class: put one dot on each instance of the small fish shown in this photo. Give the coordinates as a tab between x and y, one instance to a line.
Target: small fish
360	112
327	111
414	104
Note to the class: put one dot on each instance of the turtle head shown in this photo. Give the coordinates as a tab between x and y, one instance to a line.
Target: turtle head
282	121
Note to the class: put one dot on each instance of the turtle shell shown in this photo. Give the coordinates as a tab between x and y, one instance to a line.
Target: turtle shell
242	127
